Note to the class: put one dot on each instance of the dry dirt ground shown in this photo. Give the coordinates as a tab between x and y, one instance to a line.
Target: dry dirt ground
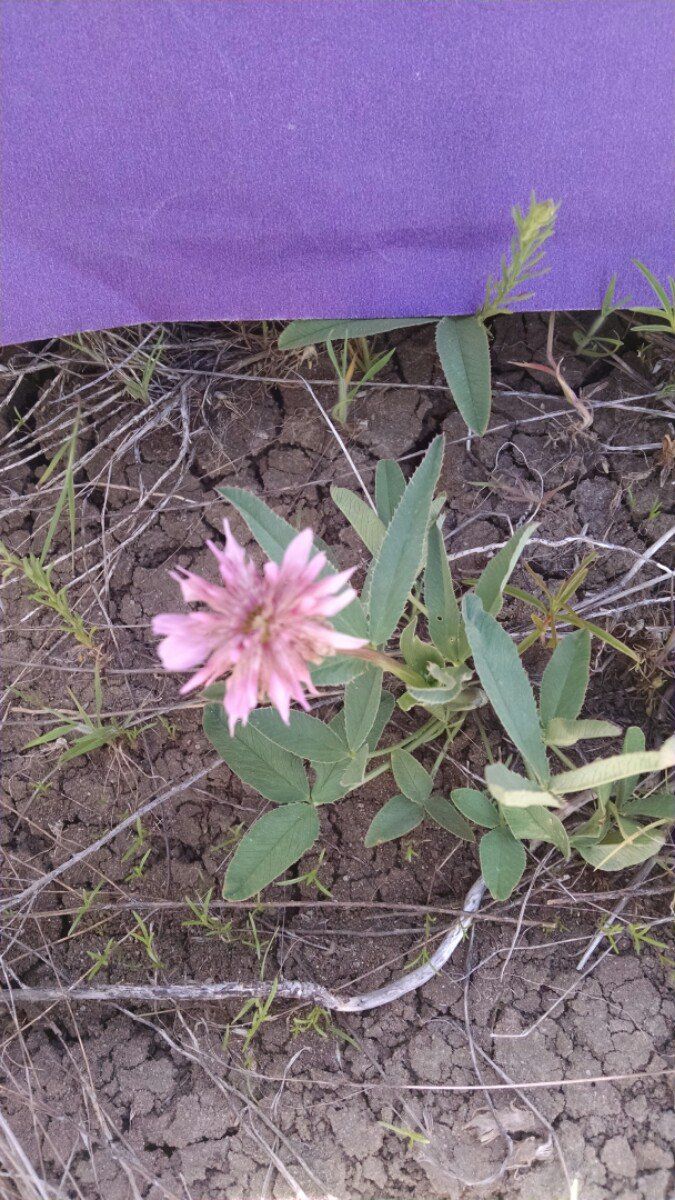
176	1101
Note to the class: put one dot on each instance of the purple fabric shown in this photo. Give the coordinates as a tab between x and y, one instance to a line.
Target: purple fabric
239	159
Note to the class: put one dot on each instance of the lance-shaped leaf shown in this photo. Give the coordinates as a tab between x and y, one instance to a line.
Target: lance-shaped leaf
502	862
538	824
443	616
564	682
563	732
414	781
514	791
273	772
493	580
309	333
503	678
475	805
276	841
617	766
304	735
617	853
660	806
396	818
362	702
445	814
464	352
403	548
353	774
361	517
389	487
634	742
273	534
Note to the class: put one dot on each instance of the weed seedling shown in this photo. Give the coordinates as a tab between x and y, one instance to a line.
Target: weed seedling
88	898
203	919
260	1014
46	595
346	366
533	229
410	1136
144	934
310	879
318	1020
100	959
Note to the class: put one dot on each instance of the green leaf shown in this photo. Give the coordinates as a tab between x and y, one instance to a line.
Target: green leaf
304	736
389	487
538	824
397	817
382	719
563	732
634	742
514	791
273	534
276	841
361	517
617	766
354	772
414	781
464	352
362	702
327	786
493	580
476	806
615	853
564	682
502	862
444	619
432	696
336	670
660	806
503	677
273	772
443	813
416	653
309	333
403	548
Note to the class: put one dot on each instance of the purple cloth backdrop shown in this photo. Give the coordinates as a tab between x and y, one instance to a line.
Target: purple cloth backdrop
239	159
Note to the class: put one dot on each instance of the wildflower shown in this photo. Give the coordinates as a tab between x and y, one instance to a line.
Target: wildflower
261	629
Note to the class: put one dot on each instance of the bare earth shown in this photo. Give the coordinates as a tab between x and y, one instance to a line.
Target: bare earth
163	1102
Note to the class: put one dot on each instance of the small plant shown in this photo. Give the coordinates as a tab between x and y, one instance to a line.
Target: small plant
447	658
591	343
101	958
346	367
523	263
140	850
410	1136
88	898
462	342
319	1021
664	312
145	936
38	576
203	919
556	608
86	733
258	1012
311	879
423	954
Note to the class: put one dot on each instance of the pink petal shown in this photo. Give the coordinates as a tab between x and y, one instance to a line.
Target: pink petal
297	552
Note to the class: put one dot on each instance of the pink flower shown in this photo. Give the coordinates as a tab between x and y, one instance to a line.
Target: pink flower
260	629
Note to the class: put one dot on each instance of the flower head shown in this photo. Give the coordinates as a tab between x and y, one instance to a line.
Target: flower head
260	629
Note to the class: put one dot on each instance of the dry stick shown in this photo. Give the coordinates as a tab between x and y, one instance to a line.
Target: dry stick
44	880
285	989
